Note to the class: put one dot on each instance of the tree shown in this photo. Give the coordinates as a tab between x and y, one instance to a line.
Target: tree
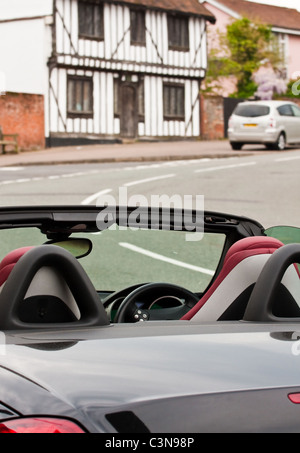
244	48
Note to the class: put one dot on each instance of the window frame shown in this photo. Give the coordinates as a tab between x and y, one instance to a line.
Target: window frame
169	115
88	114
93	35
140	23
173	20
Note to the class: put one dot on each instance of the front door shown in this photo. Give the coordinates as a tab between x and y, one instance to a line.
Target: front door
128	114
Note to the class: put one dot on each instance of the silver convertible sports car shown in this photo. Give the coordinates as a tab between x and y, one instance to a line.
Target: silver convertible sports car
126	321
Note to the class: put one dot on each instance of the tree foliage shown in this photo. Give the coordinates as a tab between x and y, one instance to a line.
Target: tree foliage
242	50
269	84
293	89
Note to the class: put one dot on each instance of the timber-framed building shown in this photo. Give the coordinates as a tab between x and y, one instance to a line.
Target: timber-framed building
123	69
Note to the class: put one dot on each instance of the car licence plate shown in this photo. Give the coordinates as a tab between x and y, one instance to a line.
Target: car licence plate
250	125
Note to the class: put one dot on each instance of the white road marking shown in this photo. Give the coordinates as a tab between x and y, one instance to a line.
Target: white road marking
224	167
142	181
23	180
173	163
286	159
159	257
50	177
96	195
11	168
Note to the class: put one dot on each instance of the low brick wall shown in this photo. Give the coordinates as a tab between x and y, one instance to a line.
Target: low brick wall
212	117
23	114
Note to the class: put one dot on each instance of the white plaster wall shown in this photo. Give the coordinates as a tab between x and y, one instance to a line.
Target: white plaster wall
25	46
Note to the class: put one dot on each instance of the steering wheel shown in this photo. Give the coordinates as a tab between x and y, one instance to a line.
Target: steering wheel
266	289
128	311
92	312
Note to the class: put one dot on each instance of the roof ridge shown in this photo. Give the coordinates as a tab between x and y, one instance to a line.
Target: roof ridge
276	16
257	3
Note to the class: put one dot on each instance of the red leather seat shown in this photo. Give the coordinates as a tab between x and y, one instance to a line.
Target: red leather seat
227	297
8	263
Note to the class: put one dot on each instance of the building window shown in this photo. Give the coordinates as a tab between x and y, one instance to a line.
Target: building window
137	27
281	46
90	17
178	33
80	97
174	102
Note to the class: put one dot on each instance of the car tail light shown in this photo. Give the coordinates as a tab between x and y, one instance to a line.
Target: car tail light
40	425
294	398
272	122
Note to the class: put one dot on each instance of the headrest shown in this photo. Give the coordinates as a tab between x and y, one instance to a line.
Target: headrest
244	248
9	261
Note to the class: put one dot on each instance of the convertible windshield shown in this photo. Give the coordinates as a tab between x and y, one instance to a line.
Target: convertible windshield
121	257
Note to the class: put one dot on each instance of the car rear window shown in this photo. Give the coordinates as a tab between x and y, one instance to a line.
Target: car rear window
252	110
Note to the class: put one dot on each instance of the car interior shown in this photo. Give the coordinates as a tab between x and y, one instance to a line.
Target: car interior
46	284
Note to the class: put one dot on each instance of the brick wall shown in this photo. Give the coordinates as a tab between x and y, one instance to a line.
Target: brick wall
23	114
212	117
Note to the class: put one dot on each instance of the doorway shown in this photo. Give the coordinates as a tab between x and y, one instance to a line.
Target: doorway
128	110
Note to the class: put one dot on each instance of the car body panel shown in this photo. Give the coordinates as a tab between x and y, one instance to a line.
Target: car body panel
267	128
180	369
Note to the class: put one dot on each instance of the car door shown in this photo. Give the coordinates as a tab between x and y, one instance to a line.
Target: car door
296	111
287	120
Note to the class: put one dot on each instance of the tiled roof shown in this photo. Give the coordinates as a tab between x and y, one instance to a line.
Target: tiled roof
191	7
273	15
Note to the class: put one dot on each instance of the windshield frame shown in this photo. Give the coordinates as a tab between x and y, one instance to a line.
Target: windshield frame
59	223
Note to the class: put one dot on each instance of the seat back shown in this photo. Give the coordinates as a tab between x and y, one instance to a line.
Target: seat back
228	296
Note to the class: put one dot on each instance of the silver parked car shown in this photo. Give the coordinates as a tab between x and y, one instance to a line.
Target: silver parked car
272	123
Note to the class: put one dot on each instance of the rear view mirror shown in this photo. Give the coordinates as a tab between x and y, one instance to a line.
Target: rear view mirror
76	246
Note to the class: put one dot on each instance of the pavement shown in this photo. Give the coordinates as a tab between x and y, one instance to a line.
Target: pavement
127	152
